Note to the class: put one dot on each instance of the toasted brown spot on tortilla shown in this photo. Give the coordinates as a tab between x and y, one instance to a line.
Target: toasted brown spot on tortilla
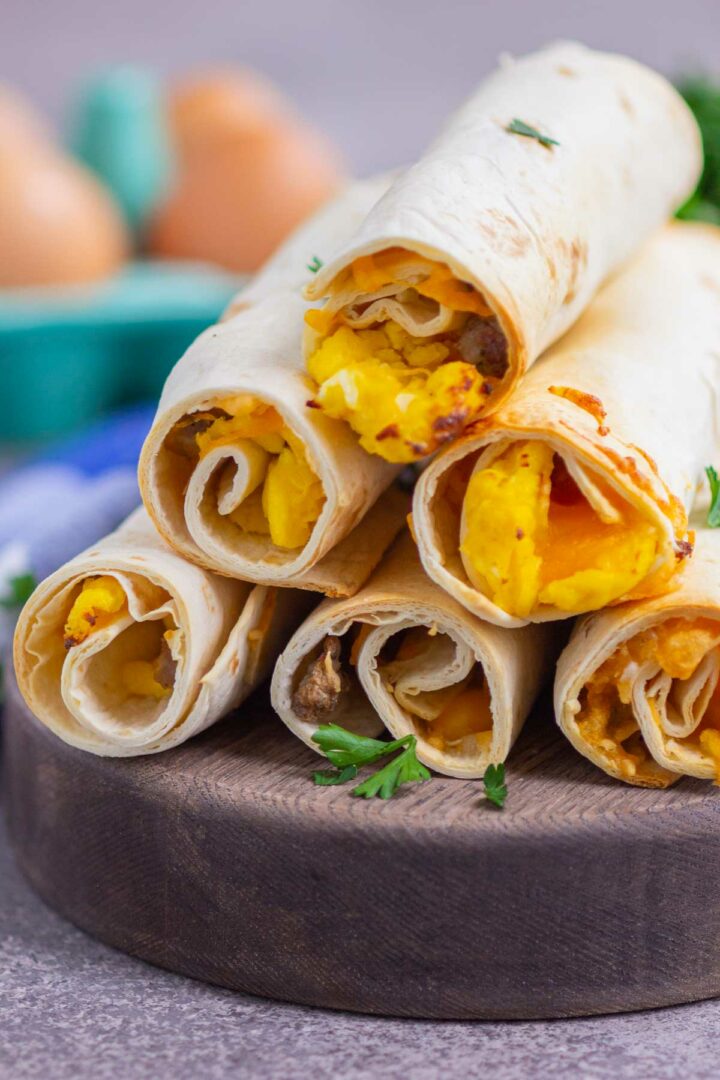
587	402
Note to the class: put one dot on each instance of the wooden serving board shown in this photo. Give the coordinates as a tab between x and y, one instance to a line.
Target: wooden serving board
222	861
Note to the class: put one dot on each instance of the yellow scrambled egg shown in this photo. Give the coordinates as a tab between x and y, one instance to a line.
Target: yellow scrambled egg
396	391
403	395
139	679
100	601
525	544
287	498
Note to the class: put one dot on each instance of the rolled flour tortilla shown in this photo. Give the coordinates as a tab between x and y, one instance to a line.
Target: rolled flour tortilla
489	248
404	655
637	686
575	494
128	649
238	473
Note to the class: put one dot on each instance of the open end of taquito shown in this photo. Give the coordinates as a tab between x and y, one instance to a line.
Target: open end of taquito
637	688
531	526
408	350
130	650
574	496
243	478
404	656
487	249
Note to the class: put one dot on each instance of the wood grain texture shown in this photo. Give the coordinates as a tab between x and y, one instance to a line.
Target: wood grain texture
222	861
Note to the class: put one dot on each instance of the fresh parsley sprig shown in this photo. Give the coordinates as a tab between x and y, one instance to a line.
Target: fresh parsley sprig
330	777
519	127
404	769
315	264
495	786
702	94
713	518
20	588
349	752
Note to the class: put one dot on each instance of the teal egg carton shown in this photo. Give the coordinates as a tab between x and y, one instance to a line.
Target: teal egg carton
69	354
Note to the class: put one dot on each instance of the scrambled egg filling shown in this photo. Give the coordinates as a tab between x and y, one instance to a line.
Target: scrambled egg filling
466	713
96	605
406	395
606	719
100	602
529	537
286	497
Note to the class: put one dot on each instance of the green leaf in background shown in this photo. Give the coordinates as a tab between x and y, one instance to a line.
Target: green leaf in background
703	96
713	518
20	589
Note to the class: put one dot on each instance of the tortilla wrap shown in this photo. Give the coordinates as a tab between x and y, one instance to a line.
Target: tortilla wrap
637	686
492	245
404	655
248	369
575	494
200	642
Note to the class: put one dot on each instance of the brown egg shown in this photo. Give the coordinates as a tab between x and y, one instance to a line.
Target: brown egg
58	224
206	108
249	171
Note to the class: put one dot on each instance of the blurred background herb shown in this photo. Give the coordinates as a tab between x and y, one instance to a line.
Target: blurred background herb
703	96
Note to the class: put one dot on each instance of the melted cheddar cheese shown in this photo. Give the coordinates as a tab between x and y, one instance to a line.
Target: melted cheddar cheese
466	714
606	720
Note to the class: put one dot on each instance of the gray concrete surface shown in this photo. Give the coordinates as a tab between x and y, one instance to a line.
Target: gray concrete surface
71	1009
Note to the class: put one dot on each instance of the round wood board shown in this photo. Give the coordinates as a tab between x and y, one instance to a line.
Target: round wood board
222	861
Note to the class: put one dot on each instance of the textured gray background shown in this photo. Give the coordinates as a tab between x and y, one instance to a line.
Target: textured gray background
378	75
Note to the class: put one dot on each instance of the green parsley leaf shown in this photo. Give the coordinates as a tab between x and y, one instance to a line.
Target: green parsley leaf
713	518
519	127
343	747
494	783
330	777
349	752
315	264
21	588
404	769
703	96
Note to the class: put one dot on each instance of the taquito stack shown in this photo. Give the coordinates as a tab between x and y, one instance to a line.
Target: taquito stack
238	473
575	494
404	655
129	649
637	688
489	248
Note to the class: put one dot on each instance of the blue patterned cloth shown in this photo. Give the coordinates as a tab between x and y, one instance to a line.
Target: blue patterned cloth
59	501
